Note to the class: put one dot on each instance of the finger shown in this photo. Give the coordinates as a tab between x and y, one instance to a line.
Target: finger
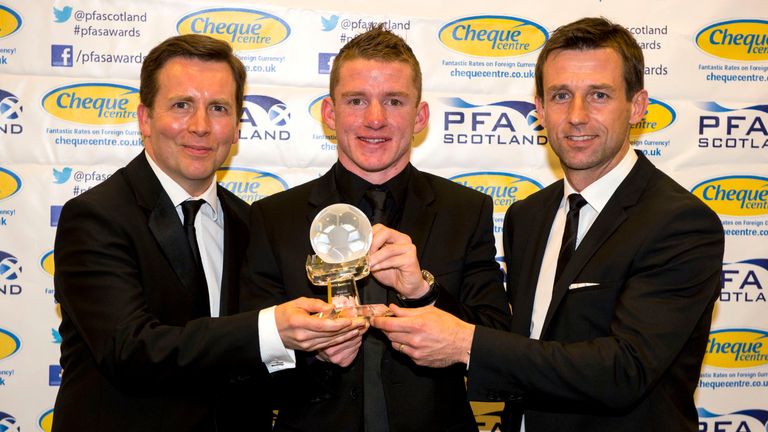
312	305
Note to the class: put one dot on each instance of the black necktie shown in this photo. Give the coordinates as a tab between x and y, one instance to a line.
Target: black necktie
376	418
568	246
189	209
377	198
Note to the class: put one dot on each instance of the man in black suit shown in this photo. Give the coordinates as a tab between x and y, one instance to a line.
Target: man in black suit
609	331
142	284
428	222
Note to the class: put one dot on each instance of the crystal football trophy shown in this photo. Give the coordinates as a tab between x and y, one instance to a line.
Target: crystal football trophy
341	236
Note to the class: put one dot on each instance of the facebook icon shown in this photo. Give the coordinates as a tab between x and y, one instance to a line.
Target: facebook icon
61	55
324	62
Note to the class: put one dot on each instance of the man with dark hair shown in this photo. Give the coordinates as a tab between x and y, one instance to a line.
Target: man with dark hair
612	273
148	264
426	222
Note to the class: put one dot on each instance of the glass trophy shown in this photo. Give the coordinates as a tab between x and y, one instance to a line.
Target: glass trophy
341	236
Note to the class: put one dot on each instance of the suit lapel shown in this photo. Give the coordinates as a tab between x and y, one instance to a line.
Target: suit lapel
235	237
324	193
163	220
532	259
610	218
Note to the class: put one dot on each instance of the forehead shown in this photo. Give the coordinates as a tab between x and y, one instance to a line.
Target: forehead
365	73
570	65
184	71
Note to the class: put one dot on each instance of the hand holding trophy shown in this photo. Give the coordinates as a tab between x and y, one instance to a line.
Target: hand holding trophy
341	236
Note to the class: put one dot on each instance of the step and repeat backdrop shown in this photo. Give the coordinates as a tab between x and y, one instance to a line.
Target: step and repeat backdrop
69	87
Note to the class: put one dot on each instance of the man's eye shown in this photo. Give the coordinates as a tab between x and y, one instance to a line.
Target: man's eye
181	105
560	96
355	101
219	108
600	95
395	102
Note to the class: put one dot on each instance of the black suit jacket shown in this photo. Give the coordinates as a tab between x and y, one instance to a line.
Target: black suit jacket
133	358
625	353
452	229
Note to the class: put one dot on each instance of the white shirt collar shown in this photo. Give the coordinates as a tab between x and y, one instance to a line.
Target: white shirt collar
598	193
177	193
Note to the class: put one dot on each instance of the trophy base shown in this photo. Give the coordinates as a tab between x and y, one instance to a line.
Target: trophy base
366	311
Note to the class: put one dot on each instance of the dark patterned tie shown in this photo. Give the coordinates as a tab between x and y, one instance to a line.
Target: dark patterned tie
568	246
374	344
189	209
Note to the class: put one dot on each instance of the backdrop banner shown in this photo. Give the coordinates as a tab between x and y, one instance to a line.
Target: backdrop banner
69	89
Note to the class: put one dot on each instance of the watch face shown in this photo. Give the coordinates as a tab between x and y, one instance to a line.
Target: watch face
340	233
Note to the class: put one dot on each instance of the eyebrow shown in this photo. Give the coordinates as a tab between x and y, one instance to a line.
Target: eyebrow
361	93
604	86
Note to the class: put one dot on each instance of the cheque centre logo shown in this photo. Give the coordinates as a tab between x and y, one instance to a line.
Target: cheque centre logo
658	116
93	103
493	36
735	195
250	184
10	183
46	263
745	40
45	422
244	29
503	188
738	421
9	344
316	108
10	21
737	348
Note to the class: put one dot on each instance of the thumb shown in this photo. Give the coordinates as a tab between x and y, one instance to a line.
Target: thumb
312	304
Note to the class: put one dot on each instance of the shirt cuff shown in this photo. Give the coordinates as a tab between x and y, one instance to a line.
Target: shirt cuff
273	353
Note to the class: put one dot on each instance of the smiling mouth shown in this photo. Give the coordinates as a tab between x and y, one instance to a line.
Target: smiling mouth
581	137
373	140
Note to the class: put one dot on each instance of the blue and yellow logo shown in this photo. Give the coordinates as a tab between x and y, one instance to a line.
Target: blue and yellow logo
93	103
737	348
244	29
493	36
745	420
503	188
45	422
10	183
735	40
316	108
10	21
735	195
46	262
657	117
9	344
250	184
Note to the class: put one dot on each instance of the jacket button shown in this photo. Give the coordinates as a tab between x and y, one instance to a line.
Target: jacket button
354	393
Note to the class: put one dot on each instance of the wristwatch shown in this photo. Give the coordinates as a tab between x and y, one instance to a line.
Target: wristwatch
426	299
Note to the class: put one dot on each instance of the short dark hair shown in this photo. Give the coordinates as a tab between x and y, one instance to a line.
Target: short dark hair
594	33
190	46
381	45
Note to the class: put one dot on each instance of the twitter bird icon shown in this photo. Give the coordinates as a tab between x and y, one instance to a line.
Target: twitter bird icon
63	14
329	23
61	177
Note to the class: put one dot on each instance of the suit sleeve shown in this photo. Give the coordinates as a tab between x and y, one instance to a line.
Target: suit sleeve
661	317
104	297
480	297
